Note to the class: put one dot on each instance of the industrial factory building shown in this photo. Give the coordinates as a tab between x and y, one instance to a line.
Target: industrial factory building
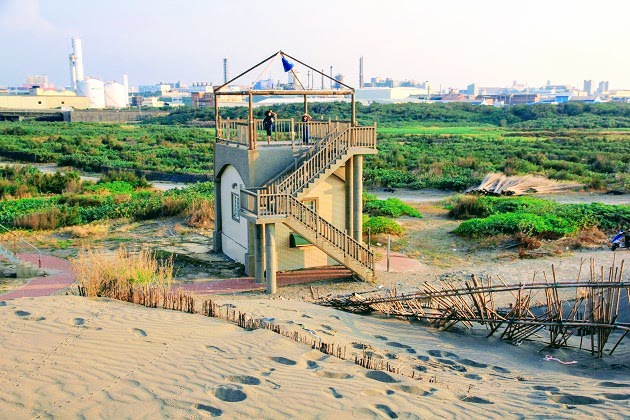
84	92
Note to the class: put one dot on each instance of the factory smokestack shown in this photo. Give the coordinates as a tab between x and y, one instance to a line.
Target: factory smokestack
225	72
78	57
361	72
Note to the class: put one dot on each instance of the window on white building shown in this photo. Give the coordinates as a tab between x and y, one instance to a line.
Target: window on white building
236	207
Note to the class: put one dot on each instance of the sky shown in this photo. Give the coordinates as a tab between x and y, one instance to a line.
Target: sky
450	43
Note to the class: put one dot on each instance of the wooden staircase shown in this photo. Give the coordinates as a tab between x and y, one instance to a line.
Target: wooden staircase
279	198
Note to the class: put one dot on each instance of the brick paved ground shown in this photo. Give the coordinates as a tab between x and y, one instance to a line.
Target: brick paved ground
247	284
61	276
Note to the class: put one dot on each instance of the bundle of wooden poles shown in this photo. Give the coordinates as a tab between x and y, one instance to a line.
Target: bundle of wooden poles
500	184
592	314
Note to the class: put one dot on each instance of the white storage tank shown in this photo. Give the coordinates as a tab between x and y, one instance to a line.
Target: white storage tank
115	95
94	89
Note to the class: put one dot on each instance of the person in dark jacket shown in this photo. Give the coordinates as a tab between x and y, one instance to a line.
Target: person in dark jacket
268	124
305	119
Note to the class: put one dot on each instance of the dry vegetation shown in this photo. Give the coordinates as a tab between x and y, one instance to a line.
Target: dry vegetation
103	274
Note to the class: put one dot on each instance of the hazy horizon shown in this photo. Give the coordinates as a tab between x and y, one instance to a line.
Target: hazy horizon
449	43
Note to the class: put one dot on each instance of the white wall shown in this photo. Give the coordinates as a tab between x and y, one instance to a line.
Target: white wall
234	234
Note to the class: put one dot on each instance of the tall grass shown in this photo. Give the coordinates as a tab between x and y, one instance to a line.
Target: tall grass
105	275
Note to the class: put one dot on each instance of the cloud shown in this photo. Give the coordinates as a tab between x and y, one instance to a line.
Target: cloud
23	15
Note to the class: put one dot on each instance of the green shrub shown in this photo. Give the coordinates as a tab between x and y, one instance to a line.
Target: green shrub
382	225
391	207
548	226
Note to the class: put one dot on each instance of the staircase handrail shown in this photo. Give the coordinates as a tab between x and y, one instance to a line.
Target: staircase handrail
300	161
322	158
39	252
283	204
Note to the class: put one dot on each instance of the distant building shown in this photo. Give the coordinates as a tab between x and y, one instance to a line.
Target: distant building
619	95
152	101
602	87
472	89
586	99
512	98
588	87
37	81
202	87
202	99
388	95
162	88
39	98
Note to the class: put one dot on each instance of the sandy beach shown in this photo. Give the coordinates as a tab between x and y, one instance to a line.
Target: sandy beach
67	356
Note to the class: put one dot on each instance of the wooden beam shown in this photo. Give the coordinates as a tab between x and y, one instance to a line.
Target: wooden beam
339	92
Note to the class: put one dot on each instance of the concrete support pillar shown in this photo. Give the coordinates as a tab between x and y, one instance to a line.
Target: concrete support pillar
349	195
259	253
270	257
357	166
217	244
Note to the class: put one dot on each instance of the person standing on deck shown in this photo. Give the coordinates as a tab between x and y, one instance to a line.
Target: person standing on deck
305	119
268	124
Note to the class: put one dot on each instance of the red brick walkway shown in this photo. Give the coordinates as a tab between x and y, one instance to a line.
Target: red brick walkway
247	284
62	276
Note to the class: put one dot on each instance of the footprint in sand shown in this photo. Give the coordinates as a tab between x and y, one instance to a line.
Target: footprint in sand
306	316
476	400
333	375
414	390
380	376
268	373
3	303
230	393
472	363
334	393
138	332
244	379
388	411
78	322
617	397
22	313
453	365
551	389
575	400
398	345
310	364
609	384
439	353
500	369
335	317
215	348
423	358
329	328
473	376
284	361
381	337
214	412
421	368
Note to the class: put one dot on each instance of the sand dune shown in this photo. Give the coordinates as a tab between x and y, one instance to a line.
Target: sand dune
67	356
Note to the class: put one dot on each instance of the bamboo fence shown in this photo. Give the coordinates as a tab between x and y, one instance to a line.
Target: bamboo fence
592	314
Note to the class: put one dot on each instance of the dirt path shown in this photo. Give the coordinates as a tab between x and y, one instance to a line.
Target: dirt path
447	256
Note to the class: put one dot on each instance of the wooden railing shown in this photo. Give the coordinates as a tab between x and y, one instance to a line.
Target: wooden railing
285	130
23	248
320	158
284	205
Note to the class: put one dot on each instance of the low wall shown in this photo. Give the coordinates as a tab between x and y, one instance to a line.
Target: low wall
128	115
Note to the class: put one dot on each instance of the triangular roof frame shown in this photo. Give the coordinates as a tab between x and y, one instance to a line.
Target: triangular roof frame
347	91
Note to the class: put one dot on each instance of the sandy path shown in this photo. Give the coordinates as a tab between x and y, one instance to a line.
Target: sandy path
67	356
